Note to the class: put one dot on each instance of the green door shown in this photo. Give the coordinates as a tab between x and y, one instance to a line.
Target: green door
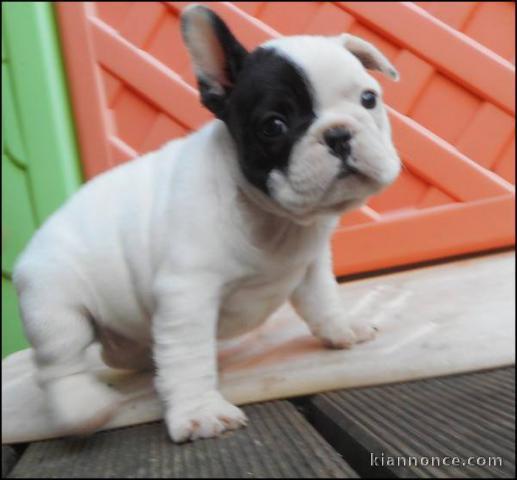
40	166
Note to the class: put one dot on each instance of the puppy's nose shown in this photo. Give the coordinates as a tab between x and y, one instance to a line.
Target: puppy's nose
338	139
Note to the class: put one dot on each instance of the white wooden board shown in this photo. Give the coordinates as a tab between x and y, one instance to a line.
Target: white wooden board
438	320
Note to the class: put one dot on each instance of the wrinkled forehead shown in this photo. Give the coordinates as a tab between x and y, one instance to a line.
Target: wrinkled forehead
332	71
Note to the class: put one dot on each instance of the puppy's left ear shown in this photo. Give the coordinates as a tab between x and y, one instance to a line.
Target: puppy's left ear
371	57
216	54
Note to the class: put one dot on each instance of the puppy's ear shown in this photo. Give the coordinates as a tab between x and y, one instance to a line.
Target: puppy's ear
368	55
216	55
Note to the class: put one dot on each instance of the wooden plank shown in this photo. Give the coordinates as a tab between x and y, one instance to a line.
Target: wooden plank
442	165
10	456
458	416
160	85
278	443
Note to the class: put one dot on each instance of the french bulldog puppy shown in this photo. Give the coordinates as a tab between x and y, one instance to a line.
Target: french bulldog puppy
206	237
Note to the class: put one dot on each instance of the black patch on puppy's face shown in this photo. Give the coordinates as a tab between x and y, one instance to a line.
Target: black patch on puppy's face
269	89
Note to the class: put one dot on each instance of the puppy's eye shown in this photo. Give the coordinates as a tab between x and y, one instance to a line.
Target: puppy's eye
368	99
273	127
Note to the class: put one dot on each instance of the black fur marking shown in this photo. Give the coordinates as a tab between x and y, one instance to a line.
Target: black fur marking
267	85
257	86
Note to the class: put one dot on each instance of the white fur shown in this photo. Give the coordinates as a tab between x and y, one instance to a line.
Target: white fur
170	251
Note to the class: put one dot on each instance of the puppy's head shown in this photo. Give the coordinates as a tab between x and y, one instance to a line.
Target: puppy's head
311	132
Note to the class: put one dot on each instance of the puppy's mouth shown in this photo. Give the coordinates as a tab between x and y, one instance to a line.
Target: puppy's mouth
351	172
350	187
348	167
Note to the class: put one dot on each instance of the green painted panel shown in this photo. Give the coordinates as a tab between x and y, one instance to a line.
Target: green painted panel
37	75
13	142
17	216
40	167
13	338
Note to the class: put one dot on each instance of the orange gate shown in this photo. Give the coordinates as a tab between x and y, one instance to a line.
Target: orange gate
452	113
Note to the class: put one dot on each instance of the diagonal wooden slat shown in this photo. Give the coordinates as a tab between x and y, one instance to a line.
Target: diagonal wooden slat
141	21
123	151
369	213
441	164
163	87
464	60
138	26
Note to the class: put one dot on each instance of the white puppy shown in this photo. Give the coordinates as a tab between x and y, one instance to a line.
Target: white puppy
206	237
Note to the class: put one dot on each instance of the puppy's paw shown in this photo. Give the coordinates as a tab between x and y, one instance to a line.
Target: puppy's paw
206	417
343	334
79	404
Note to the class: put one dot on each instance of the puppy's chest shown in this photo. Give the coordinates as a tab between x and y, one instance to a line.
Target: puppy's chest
271	270
250	301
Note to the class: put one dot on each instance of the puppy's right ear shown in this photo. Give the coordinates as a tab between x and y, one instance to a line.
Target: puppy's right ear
370	56
216	55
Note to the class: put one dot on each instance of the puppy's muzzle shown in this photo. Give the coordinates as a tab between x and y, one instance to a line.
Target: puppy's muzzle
338	141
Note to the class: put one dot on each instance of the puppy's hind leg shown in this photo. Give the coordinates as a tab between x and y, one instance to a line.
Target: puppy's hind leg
78	403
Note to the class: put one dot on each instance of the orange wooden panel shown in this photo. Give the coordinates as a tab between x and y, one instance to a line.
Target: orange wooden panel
439	231
329	19
416	75
85	82
487	133
493	25
274	15
455	14
452	113
434	197
506	165
465	61
441	97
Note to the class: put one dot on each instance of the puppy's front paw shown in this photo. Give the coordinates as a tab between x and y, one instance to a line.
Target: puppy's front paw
341	334
205	417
